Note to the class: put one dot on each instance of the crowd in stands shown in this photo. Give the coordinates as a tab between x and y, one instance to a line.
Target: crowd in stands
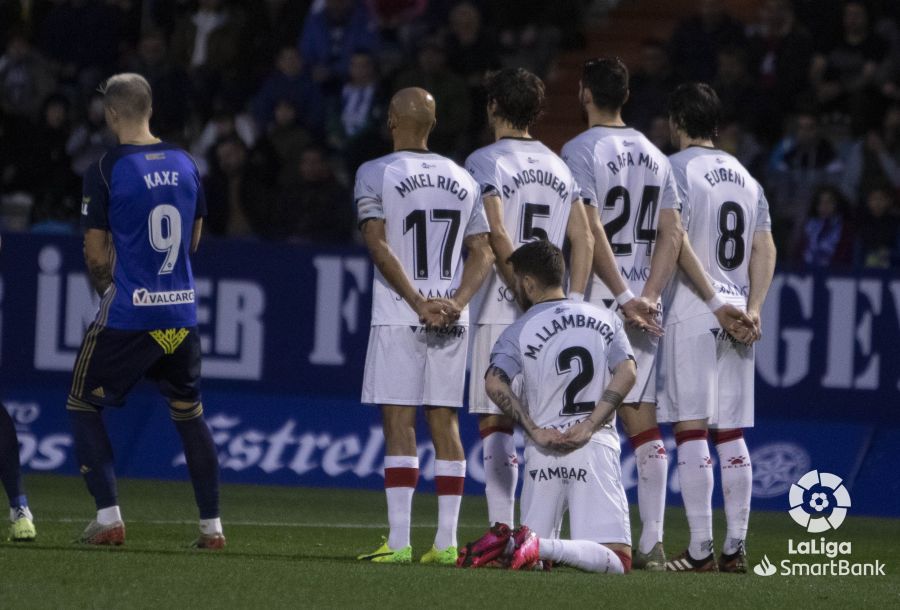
279	101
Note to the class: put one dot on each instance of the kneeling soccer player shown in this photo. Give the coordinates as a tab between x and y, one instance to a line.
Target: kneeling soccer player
561	349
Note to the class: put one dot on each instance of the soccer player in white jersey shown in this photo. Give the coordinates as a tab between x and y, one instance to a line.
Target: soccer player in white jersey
563	350
629	184
417	212
528	194
706	370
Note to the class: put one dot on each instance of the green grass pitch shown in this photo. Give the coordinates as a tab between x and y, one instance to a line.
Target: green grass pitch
294	548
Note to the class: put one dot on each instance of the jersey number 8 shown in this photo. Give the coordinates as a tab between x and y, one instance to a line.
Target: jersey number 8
165	234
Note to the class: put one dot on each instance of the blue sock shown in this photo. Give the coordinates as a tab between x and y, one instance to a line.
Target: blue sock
201	457
95	456
10	472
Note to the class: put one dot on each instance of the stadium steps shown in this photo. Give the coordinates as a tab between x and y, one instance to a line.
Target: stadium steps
619	33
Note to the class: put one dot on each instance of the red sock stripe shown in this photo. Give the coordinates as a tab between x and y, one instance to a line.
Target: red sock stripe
491	429
626	560
690	435
646	436
449	486
401	477
725	436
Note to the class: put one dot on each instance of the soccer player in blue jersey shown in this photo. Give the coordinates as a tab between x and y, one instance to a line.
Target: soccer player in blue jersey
142	214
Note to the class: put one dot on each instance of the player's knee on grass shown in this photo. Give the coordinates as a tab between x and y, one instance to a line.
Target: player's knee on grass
184	411
444	425
638	417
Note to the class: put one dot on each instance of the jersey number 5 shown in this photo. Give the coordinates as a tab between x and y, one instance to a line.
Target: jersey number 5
165	234
582	379
416	222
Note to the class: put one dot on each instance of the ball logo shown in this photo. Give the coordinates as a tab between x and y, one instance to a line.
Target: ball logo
819	501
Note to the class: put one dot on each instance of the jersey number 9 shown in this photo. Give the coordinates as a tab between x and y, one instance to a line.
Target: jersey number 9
165	234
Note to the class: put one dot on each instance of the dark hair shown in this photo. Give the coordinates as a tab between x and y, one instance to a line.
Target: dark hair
695	108
541	260
840	202
607	80
519	95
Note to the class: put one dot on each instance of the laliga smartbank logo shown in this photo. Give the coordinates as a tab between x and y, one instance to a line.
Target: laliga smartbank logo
818	502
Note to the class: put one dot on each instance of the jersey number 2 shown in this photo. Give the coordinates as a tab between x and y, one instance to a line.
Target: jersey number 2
416	222
582	379
165	234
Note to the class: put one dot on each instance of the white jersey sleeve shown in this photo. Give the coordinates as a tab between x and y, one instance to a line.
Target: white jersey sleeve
723	207
578	156
429	206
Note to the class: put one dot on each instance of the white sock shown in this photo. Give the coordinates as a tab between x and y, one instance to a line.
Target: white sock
26	512
696	476
582	554
501	473
401	472
109	515
211	526
737	487
449	478
652	470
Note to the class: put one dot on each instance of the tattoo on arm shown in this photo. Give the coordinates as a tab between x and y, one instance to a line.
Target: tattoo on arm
101	277
507	401
613	398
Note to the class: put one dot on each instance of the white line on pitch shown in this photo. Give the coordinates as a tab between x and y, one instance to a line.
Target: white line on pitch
298	524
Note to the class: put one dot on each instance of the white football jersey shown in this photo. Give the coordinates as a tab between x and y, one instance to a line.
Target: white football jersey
629	180
429	205
722	207
564	352
537	190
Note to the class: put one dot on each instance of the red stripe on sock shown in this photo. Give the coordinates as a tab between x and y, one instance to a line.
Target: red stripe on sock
449	486
491	429
626	560
690	435
401	477
725	436
646	436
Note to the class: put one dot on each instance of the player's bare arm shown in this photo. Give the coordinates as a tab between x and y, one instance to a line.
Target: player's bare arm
431	313
98	257
478	262
762	268
499	388
195	236
500	242
622	380
669	234
735	322
581	239
637	311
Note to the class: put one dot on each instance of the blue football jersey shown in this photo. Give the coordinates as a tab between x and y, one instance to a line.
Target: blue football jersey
148	197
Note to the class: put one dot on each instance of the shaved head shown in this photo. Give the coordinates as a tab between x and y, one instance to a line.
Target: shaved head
412	112
128	95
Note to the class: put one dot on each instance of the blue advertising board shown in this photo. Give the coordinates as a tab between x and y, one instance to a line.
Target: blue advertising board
284	331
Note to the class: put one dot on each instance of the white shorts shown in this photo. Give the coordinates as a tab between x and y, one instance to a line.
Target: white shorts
703	374
483	341
587	483
408	366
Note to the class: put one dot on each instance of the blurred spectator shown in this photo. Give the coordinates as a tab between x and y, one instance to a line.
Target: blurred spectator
743	145
356	124
878	244
531	31
315	207
225	122
660	135
170	84
285	140
827	238
289	83
738	91
451	97
696	42
91	138
874	161
238	193
781	54
846	75
650	86
208	45
331	36
25	78
806	160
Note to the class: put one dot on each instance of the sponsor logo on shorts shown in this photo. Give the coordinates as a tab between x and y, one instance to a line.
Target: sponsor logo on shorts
142	297
560	472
